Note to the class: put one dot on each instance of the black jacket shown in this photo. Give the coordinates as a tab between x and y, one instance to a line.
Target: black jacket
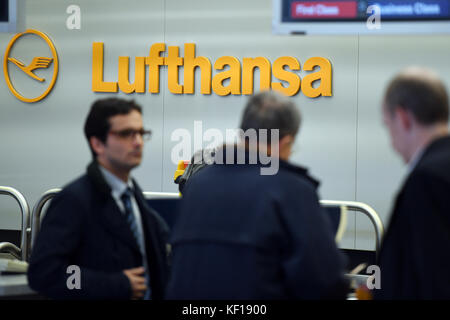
83	226
415	254
243	235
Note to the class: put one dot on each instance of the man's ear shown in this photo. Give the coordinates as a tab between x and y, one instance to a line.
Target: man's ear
405	117
97	145
285	147
286	141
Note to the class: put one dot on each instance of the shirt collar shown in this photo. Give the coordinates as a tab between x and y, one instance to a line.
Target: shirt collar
118	187
415	159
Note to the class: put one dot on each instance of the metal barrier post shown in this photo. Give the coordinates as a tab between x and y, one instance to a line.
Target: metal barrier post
164	195
36	213
8	247
367	210
25	209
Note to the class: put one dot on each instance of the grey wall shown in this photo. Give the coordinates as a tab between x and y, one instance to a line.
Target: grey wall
342	139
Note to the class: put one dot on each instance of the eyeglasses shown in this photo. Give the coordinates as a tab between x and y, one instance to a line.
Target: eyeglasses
130	134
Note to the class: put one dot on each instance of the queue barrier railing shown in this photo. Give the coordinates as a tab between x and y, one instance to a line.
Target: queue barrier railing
345	206
366	210
349	205
7	247
37	211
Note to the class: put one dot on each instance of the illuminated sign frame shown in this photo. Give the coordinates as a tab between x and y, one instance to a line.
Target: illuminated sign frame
352	27
11	24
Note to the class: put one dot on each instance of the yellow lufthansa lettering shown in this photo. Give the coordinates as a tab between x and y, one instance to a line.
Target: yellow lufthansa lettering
248	68
234	74
139	75
190	63
231	77
98	84
173	62
154	61
291	78
324	75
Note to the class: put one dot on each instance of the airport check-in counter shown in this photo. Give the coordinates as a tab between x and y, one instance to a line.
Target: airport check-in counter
15	285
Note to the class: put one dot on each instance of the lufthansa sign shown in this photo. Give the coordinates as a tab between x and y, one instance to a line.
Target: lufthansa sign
226	76
36	63
231	77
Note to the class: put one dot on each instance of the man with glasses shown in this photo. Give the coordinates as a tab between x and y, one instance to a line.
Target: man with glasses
99	239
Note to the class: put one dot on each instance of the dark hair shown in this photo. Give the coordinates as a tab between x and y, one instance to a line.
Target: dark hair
97	122
270	110
422	93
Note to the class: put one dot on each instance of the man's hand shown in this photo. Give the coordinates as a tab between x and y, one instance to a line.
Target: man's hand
137	282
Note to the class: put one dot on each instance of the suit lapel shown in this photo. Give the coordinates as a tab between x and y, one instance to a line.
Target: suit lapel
115	222
109	213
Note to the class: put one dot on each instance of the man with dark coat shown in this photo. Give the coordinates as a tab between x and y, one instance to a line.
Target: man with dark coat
250	225
415	255
99	228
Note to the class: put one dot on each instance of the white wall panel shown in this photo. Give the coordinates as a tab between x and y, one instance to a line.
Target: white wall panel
342	139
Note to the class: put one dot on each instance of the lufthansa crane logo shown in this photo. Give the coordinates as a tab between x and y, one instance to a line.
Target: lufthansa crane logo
30	68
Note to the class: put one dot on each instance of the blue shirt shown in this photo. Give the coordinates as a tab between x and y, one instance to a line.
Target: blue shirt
118	187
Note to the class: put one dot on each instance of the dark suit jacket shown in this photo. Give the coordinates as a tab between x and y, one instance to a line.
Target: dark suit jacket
83	226
415	255
243	235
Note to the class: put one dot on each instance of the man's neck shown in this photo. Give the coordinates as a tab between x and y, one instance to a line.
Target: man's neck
261	148
424	136
121	174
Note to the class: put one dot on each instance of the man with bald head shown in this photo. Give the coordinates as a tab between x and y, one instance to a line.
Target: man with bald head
415	254
246	233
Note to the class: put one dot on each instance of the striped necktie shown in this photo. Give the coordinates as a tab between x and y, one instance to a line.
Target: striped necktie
131	219
129	215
